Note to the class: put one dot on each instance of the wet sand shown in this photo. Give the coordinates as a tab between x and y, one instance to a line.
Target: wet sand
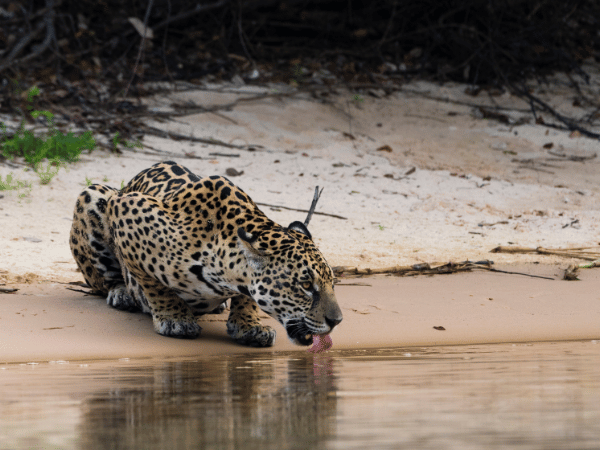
46	321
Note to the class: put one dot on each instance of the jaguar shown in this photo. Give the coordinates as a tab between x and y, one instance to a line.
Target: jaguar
177	246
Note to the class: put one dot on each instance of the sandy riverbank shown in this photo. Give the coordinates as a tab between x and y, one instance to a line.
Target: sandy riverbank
471	190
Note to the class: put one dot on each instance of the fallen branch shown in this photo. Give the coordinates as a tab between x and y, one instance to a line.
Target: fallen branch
565	157
569	123
96	293
178	136
484	224
441	99
426	269
48	23
519	273
225	155
579	252
414	269
302	210
190	108
7	290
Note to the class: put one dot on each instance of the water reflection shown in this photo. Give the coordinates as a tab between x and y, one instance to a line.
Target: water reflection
503	396
228	404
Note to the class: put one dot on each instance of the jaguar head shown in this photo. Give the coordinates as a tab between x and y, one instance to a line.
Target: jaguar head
291	281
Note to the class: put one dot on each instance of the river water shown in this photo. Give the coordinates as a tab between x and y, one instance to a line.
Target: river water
509	396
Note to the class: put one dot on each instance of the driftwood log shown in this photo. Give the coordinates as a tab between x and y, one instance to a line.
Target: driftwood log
414	269
586	253
426	269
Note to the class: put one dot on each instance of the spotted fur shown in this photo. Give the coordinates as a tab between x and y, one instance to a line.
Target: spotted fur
175	245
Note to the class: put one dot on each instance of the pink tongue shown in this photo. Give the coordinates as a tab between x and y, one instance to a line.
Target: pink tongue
321	344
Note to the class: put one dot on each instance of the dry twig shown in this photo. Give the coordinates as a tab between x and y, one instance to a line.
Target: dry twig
313	205
302	210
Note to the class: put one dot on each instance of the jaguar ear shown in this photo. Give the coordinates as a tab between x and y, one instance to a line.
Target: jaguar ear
300	228
248	242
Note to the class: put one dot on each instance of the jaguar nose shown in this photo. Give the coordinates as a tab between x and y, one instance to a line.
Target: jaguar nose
332	322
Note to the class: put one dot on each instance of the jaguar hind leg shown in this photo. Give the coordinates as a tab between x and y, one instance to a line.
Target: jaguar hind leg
171	316
92	249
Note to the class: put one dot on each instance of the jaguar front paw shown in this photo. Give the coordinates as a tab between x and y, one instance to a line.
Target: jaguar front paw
254	336
119	298
186	328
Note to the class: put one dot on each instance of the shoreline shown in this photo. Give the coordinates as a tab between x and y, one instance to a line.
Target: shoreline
47	322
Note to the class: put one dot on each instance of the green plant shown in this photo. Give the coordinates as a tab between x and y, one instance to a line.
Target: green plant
88	181
47	173
122	184
54	146
10	184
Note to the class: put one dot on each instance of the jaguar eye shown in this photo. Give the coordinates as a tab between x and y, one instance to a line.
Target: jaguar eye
306	285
